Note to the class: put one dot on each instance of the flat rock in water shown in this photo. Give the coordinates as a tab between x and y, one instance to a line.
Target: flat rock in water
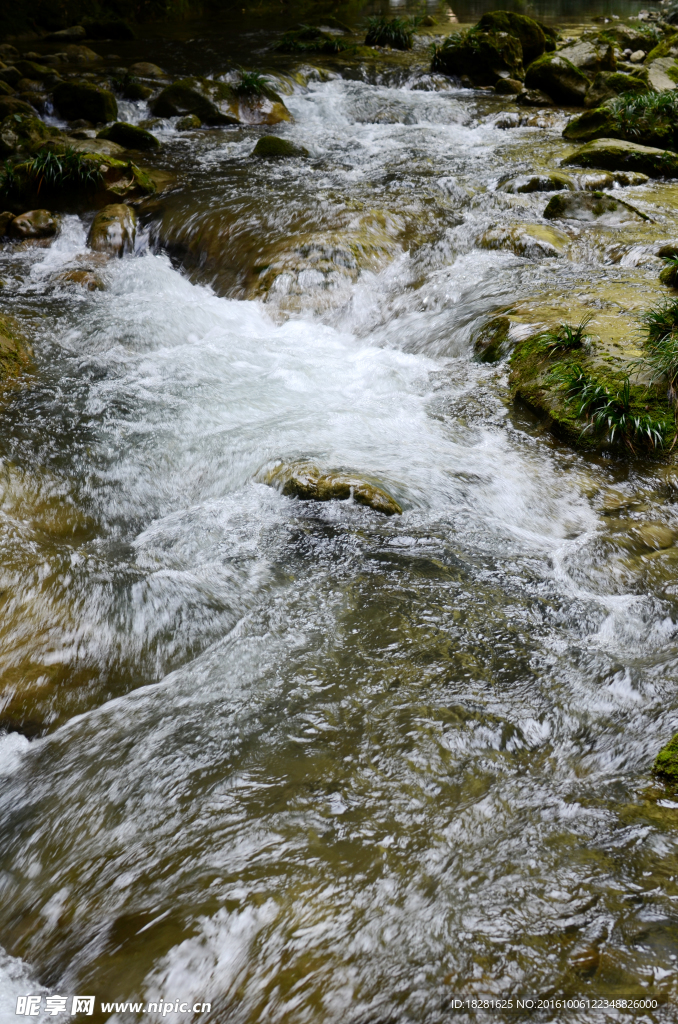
552	181
306	481
600	207
617	155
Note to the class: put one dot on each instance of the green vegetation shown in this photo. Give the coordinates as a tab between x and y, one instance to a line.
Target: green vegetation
610	412
394	32
650	118
565	337
51	172
661	342
251	83
666	761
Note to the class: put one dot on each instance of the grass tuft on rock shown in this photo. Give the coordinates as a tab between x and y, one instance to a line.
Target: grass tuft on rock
565	337
610	412
53	172
251	83
650	118
661	343
394	32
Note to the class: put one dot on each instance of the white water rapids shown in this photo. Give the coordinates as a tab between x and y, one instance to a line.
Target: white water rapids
299	760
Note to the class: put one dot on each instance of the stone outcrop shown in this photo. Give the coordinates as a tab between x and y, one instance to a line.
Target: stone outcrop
306	481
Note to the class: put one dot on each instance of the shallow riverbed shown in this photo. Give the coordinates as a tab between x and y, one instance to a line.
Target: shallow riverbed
296	759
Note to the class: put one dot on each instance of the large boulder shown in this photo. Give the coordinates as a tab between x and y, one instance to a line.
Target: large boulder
625	37
10	105
113	230
33	224
309	483
129	136
558	78
77	100
590	57
483	56
619	155
591	206
529	32
218	103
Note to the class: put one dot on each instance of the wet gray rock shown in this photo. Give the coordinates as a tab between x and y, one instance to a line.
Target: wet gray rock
590	57
306	481
508	87
129	136
113	230
33	224
618	155
533	241
271	147
188	123
534	98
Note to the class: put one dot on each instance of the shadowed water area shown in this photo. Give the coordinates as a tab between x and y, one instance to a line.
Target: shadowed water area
298	759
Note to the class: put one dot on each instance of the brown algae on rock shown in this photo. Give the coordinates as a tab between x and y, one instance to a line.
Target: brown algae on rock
306	481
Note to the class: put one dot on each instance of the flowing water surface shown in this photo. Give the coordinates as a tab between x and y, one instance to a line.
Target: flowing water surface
296	759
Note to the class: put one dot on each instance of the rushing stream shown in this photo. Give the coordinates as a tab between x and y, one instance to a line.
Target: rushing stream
299	760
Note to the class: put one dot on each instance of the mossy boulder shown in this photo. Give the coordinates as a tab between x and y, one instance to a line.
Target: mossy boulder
271	147
188	123
526	30
558	78
626	37
113	230
129	136
19	132
483	56
666	48
134	89
666	762
669	276
307	482
10	105
594	124
600	207
144	69
310	39
508	87
608	84
77	99
33	224
190	96
619	155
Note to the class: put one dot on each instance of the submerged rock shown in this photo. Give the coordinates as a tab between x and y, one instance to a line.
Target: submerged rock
534	241
617	154
14	349
491	342
129	136
76	100
33	224
666	762
559	78
271	147
591	206
306	481
113	230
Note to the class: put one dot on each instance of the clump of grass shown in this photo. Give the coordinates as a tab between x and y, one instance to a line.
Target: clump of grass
251	83
394	32
62	170
661	341
651	117
610	412
565	337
